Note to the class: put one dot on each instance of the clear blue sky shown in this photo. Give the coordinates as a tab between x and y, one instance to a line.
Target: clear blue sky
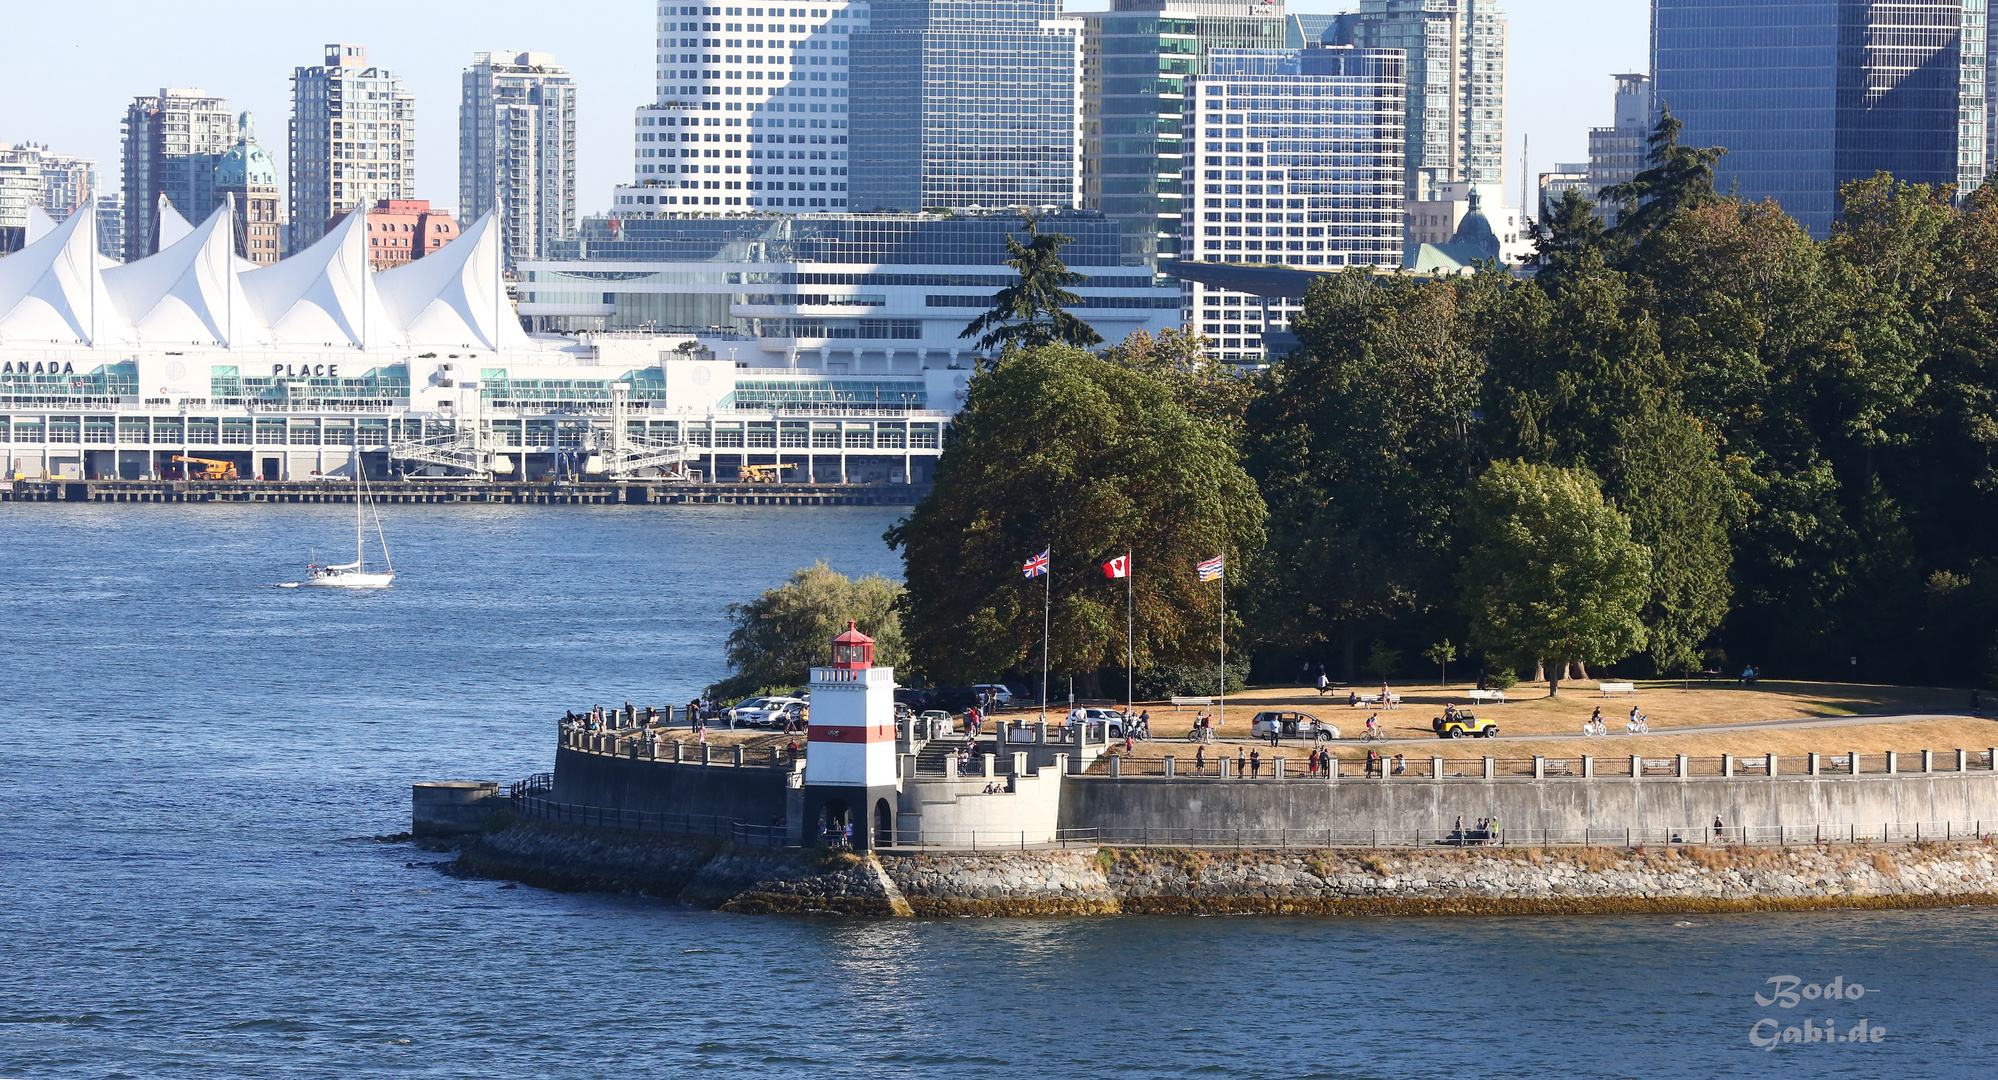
73	67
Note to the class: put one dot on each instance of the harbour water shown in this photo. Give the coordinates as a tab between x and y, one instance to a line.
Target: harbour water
196	764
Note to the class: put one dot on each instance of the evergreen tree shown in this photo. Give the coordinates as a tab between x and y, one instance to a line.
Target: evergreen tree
1032	312
1679	179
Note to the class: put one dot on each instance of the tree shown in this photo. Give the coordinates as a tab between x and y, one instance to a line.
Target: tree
1362	440
1552	573
1441	654
1031	312
1059	448
1381	660
782	634
1679	179
1207	388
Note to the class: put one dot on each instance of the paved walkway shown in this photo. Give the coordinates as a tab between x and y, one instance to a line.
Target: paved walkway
1616	729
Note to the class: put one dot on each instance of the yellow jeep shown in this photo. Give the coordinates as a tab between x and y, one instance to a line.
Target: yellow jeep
1462	725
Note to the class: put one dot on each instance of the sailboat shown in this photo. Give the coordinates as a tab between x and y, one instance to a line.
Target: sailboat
356	575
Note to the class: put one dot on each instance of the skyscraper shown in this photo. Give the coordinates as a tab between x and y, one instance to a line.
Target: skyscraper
959	103
1617	153
67	183
353	140
1136	60
111	224
247	173
1456	84
172	142
1294	157
20	188
1809	94
787	73
517	149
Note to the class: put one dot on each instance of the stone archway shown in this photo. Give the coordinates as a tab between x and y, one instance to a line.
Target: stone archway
884	825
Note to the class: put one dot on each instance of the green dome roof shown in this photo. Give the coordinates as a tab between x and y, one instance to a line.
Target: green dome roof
246	164
1476	230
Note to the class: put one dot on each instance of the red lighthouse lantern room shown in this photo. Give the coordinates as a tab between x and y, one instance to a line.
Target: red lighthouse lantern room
853	650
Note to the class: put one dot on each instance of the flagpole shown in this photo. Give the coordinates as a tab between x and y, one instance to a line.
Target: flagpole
1130	628
1221	713
1047	609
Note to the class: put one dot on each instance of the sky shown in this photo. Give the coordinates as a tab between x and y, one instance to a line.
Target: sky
73	67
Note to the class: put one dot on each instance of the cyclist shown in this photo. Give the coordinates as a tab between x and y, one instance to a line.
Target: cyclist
1374	726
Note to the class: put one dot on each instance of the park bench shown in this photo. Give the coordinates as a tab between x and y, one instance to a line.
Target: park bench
1197	702
1375	699
1752	764
1660	766
1609	688
1490	697
1842	762
1557	767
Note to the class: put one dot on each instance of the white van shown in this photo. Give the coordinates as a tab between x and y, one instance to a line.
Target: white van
999	692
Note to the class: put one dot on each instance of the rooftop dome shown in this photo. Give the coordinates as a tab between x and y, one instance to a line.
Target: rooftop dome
246	164
1476	230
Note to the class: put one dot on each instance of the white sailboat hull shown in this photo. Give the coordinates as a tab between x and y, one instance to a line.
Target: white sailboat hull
349	579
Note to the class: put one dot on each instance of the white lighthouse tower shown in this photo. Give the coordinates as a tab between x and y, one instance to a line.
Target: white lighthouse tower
850	761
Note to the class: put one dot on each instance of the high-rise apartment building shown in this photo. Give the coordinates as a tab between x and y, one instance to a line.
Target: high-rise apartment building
1557	182
111	224
517	149
1456	84
248	175
1294	157
1136	59
750	113
1809	94
172	142
67	183
353	140
20	189
961	103
1617	153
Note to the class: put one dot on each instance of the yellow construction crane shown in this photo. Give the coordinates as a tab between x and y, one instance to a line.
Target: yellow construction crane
209	468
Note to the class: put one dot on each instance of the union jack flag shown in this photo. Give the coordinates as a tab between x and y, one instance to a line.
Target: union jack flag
1037	565
1211	569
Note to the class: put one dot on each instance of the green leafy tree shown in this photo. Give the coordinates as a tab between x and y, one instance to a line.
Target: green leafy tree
1207	388
1552	572
781	635
1059	448
1382	661
1032	312
1441	654
1362	440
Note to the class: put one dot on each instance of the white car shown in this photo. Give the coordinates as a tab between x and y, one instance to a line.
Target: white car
1112	719
764	712
1291	725
999	692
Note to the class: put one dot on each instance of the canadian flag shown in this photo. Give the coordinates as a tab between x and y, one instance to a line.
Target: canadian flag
1118	567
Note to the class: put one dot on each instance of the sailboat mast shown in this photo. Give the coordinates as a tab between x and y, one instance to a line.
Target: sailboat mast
360	519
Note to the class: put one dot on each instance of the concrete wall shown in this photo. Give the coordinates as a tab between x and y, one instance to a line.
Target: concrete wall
754	794
1350	807
960	812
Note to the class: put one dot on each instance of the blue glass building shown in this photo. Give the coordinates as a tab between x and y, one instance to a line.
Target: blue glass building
1809	94
959	103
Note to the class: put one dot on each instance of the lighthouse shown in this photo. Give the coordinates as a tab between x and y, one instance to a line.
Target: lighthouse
850	762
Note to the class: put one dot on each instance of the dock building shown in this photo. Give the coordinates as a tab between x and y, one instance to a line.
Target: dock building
829	294
304	367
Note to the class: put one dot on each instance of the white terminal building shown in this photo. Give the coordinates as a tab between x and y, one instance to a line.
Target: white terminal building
750	111
867	303
310	365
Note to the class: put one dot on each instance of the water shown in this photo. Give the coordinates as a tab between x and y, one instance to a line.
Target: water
195	765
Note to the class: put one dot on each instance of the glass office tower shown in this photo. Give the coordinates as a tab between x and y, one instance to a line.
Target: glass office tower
960	103
1136	59
1809	94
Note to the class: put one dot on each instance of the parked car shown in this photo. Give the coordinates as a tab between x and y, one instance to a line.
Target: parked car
1113	721
764	712
1462	725
947	722
953	699
1291	725
999	691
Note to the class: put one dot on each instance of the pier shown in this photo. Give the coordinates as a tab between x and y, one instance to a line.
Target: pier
336	490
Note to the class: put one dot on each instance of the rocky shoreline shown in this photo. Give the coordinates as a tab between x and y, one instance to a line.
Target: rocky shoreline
1204	881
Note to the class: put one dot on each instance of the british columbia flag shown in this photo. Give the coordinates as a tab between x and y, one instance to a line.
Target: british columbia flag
1211	569
1037	565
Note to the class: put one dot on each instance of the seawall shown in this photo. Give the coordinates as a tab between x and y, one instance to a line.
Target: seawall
1152	880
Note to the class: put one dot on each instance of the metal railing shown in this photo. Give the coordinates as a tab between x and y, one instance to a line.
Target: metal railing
610	817
1503	835
1241	761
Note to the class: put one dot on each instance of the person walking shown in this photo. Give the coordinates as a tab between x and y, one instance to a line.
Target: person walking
1255	764
1241	763
1200	761
1718	827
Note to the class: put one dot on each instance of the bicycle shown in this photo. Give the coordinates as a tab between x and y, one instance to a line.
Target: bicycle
1637	726
1200	735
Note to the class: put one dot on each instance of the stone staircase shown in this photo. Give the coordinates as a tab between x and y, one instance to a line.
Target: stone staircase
931	759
